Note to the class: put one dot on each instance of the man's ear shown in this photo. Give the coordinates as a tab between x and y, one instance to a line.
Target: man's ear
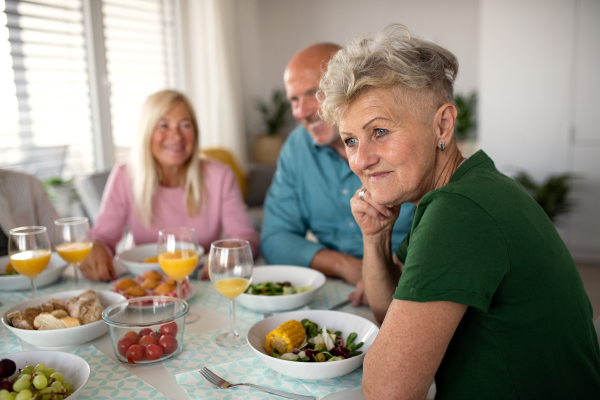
445	120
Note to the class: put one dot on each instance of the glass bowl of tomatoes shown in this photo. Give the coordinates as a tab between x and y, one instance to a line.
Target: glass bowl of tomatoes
146	330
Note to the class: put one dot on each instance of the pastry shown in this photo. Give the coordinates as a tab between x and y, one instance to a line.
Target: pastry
154	275
135	291
164	288
58	304
46	307
125	283
149	284
30	314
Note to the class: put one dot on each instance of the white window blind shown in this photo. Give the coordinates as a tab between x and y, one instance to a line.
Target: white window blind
45	128
45	106
141	59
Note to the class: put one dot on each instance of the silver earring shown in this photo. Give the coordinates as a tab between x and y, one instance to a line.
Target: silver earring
442	146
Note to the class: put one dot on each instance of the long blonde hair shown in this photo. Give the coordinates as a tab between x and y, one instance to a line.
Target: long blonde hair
142	168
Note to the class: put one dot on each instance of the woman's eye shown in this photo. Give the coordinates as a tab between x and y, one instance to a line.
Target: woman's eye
350	142
381	132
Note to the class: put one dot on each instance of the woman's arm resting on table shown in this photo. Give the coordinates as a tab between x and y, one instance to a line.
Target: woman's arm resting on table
409	348
97	266
335	263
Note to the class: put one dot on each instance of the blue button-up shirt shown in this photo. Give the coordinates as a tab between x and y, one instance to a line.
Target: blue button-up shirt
311	190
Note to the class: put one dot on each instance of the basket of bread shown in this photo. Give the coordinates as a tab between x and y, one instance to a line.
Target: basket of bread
61	319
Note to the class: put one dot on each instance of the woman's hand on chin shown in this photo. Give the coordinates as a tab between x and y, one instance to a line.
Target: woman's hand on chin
372	218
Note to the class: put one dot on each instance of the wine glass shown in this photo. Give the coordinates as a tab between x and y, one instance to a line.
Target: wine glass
29	251
178	256
230	267
75	232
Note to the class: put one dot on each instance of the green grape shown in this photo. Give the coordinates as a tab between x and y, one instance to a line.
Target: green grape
45	397
22	383
30	367
4	391
58	377
57	385
59	397
40	381
68	386
7	396
40	368
24	395
48	372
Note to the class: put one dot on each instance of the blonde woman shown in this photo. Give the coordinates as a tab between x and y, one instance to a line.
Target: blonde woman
165	184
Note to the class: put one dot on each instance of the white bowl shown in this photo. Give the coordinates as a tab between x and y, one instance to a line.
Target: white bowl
298	276
133	259
62	337
53	271
334	321
74	368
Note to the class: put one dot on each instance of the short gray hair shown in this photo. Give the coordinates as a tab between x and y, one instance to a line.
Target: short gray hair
393	59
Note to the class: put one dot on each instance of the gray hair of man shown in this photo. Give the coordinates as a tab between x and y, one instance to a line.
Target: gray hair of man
422	72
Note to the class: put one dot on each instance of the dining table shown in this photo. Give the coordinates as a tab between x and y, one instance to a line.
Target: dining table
179	378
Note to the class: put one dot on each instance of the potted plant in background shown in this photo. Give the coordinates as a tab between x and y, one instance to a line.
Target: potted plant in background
552	194
61	193
466	122
275	115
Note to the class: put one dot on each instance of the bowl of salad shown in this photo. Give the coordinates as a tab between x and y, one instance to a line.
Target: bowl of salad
278	288
312	344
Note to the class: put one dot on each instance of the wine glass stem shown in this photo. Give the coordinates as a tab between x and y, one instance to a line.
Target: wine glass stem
178	290
33	291
232	316
76	274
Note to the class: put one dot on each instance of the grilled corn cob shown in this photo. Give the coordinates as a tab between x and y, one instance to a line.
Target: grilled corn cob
285	337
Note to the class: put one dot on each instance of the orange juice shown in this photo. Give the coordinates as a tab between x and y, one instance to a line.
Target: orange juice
30	262
178	264
74	252
232	287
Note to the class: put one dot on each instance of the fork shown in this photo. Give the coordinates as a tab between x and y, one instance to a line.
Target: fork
223	384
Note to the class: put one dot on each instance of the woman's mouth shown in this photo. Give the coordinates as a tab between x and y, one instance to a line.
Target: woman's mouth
377	176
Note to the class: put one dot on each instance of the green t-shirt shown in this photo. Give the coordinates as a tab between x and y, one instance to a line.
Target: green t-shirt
528	331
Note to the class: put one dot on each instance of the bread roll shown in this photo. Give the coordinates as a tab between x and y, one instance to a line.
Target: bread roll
70	322
47	321
46	307
30	314
58	304
60	313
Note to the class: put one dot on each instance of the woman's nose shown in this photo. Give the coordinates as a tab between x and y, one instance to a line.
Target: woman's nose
365	156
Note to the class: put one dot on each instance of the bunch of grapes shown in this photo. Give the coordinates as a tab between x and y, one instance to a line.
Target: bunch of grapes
33	383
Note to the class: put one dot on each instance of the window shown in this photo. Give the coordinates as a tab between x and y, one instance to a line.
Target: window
47	124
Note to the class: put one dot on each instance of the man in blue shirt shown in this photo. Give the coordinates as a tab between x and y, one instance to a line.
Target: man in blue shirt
313	185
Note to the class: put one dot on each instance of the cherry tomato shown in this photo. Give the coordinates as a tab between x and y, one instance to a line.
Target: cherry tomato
168	343
124	344
146	340
146	332
134	335
169	329
154	352
135	353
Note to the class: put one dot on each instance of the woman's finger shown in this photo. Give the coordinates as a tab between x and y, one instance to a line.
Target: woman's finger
383	210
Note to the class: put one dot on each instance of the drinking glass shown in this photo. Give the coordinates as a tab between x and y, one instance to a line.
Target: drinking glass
178	256
29	251
230	267
75	233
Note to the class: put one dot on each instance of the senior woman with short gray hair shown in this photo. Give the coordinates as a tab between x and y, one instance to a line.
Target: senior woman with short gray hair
482	295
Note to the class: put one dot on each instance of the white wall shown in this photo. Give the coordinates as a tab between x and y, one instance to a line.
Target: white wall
271	31
538	92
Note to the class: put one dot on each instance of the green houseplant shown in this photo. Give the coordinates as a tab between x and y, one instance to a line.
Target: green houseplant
466	118
275	116
552	194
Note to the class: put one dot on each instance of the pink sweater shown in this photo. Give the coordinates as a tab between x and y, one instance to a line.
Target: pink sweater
222	215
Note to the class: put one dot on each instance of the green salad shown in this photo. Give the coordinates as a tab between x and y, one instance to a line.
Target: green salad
276	289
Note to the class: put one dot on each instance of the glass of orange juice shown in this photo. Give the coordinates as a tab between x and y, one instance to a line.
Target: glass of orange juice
230	266
178	257
75	232
29	251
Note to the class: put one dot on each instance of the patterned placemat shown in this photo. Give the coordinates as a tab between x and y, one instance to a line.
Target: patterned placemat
108	380
201	350
251	370
9	343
